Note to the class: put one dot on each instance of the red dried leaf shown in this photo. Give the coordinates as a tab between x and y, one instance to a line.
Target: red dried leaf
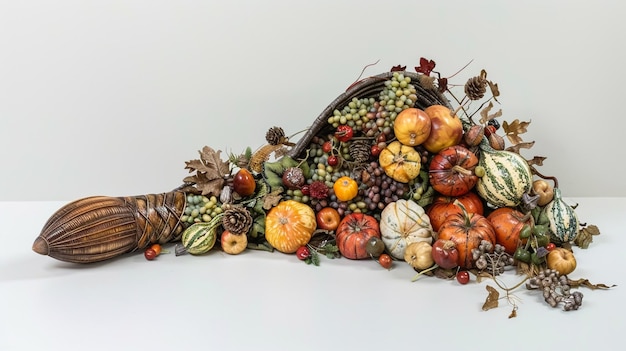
426	66
443	84
398	68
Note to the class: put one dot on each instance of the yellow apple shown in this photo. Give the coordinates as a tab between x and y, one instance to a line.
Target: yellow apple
233	244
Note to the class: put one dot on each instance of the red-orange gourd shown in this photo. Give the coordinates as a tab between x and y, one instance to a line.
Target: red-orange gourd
353	233
443	206
451	171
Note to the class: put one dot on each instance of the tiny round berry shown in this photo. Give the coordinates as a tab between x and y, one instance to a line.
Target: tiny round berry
550	246
150	254
327	147
333	160
303	253
385	261
375	150
463	277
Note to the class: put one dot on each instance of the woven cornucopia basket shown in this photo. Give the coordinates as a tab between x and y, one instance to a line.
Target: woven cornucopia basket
355	186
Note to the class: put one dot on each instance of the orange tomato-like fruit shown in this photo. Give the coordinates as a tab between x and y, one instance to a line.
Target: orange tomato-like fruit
345	188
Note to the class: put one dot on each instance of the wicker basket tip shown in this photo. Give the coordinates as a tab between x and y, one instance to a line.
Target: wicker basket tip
40	246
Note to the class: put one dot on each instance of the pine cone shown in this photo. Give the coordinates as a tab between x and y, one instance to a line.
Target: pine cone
275	136
237	220
476	87
359	151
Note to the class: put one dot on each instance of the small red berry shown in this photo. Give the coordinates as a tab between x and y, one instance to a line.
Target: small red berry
327	147
375	150
306	190
490	130
385	261
463	277
344	133
157	248
332	160
150	254
303	253
550	246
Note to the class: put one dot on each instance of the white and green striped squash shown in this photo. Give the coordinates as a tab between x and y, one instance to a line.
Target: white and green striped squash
561	218
199	238
507	177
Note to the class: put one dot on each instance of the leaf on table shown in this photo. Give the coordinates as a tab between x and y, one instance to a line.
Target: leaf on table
486	116
514	129
582	282
492	298
210	171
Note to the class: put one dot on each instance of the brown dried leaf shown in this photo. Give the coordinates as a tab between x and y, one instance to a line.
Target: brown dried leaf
492	298
494	89
514	129
513	313
486	117
398	68
210	171
537	160
593	229
583	239
523	145
586	283
272	199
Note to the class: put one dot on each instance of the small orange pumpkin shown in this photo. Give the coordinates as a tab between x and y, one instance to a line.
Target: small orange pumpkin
353	233
400	162
508	223
345	188
289	225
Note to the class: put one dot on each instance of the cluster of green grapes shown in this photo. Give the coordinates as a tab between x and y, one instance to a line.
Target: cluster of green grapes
200	208
356	114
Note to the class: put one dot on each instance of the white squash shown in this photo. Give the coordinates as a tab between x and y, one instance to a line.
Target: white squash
404	222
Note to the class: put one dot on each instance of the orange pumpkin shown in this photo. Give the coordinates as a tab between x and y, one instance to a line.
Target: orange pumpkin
353	233
412	126
443	206
467	230
289	225
508	223
400	162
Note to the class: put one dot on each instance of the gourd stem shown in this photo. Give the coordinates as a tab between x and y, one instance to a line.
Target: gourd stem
418	275
540	175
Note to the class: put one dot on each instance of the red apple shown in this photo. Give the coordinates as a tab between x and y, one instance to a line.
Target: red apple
328	218
446	129
233	243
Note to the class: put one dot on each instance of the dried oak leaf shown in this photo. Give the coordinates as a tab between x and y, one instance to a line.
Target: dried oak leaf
494	89
486	117
210	171
514	129
492	299
536	160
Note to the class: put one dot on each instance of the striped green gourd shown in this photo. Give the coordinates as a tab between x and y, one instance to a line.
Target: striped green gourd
200	237
506	178
561	218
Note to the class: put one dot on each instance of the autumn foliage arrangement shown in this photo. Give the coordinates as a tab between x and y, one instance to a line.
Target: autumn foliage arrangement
399	169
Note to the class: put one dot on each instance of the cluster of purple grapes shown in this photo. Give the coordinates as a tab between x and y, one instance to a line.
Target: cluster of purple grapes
380	189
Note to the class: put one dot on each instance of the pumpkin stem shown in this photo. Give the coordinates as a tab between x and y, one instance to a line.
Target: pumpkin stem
460	169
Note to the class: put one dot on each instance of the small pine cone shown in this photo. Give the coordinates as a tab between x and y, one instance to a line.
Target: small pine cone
475	88
360	151
275	136
237	220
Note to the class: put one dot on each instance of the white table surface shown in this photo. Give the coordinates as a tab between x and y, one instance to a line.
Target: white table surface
272	301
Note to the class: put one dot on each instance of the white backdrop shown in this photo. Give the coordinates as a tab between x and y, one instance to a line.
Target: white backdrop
111	97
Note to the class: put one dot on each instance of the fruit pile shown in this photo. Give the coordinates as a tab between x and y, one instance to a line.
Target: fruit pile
389	172
380	178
